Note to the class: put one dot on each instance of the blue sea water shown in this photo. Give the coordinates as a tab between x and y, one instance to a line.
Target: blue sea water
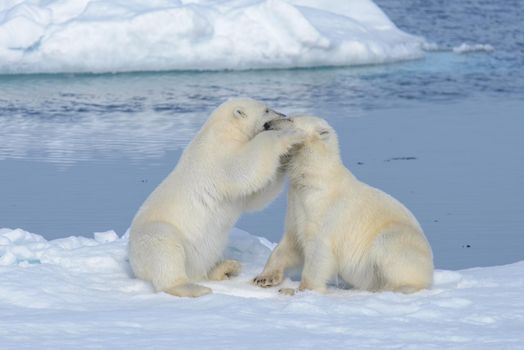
80	153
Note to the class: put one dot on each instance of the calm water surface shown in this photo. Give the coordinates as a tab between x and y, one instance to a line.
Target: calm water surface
79	153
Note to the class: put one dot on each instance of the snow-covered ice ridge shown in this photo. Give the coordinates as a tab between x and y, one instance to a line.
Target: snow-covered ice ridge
46	36
76	293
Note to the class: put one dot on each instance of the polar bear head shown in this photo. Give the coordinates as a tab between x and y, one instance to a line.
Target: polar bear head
242	118
318	151
320	136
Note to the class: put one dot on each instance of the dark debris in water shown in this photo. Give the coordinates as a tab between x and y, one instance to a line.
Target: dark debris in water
400	158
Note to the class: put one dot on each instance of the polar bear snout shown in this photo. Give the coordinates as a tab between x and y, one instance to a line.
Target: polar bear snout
278	114
278	124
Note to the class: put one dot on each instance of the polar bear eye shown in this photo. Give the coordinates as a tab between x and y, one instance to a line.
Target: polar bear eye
267	110
239	113
323	133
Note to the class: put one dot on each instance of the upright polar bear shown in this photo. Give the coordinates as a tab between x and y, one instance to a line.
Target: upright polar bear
336	224
232	165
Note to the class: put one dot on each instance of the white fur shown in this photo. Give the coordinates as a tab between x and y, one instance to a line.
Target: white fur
337	225
232	165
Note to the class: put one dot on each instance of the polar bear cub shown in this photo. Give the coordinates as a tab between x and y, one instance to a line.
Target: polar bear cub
337	225
232	165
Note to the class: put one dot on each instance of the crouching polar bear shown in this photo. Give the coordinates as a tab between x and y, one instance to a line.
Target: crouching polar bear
337	225
232	165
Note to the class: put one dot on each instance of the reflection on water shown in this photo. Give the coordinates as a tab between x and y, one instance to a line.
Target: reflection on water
70	118
93	137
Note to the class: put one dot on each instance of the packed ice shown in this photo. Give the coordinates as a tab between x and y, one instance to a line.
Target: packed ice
46	36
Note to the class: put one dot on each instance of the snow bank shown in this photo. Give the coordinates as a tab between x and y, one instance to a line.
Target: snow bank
77	293
142	35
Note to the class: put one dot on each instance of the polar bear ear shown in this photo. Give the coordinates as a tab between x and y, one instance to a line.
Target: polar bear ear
239	113
323	133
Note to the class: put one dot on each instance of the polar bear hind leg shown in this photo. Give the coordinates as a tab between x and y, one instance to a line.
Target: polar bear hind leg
159	257
402	261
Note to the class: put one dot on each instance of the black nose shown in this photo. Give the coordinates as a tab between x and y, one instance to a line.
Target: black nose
267	125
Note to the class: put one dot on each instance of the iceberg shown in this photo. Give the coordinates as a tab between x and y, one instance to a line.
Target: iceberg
98	36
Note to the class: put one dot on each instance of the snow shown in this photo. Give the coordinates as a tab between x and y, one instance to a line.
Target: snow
46	36
78	293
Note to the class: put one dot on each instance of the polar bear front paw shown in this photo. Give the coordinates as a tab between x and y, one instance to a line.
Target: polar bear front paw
292	137
224	270
269	280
